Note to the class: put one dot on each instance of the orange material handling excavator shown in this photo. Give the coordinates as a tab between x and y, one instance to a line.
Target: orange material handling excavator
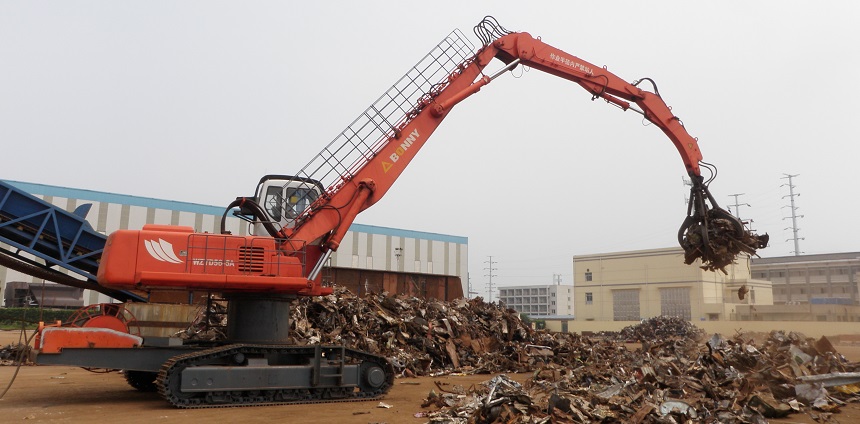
299	220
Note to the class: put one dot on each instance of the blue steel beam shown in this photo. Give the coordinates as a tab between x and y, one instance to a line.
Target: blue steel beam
58	237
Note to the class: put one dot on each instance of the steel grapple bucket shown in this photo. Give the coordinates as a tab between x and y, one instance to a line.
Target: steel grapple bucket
713	235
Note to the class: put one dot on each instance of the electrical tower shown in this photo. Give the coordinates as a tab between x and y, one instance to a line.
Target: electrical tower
738	205
490	275
794	215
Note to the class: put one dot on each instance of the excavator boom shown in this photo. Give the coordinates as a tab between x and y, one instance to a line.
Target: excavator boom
304	219
401	144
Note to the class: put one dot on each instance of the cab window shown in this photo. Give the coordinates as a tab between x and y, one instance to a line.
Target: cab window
273	202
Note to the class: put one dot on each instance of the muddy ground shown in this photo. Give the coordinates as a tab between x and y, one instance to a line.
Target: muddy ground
67	394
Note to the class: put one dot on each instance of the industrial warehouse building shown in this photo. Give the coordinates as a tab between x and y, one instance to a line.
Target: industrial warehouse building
370	258
820	287
631	286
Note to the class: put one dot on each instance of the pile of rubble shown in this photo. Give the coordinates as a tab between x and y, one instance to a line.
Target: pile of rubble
420	337
671	380
658	328
677	375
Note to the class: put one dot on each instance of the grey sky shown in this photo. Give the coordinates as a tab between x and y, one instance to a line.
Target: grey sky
195	100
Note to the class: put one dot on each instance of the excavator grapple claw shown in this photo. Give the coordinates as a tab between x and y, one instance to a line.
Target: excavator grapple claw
712	234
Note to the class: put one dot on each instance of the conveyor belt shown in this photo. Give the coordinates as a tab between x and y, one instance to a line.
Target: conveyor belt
60	238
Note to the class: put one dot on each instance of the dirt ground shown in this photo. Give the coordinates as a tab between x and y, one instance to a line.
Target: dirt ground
67	394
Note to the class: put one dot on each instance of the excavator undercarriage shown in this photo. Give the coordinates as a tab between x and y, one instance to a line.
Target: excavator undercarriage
255	365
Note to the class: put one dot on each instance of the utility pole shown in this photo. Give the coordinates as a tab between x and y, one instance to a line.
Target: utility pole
490	274
794	215
469	291
738	205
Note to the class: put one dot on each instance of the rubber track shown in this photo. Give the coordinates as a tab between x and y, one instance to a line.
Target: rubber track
172	367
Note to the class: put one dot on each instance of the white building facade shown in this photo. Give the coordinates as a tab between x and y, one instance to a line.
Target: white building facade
537	301
364	247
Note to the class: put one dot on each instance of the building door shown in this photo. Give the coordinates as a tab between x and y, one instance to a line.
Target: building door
625	305
675	302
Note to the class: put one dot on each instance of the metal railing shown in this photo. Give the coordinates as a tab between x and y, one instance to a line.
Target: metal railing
341	159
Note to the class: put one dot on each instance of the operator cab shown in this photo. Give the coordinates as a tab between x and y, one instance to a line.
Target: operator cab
284	198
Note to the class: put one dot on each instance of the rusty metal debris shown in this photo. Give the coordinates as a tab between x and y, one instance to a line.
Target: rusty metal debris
14	353
420	337
658	328
210	323
718	240
662	370
749	378
742	291
712	234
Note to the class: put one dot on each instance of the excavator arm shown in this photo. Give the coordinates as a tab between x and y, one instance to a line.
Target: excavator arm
317	205
708	232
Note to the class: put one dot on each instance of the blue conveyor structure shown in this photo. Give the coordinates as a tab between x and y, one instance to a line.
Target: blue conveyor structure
59	238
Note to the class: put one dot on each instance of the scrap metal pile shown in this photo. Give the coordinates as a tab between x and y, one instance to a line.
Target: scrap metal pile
419	337
658	328
678	375
670	380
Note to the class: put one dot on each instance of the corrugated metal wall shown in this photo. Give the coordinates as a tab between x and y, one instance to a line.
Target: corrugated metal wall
367	248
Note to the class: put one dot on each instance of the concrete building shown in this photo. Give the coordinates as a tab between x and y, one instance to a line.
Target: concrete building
818	279
369	258
539	301
822	287
630	286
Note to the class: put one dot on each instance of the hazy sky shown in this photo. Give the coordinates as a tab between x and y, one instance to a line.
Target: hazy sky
196	100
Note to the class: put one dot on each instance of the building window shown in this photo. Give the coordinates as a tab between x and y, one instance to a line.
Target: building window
589	299
588	276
